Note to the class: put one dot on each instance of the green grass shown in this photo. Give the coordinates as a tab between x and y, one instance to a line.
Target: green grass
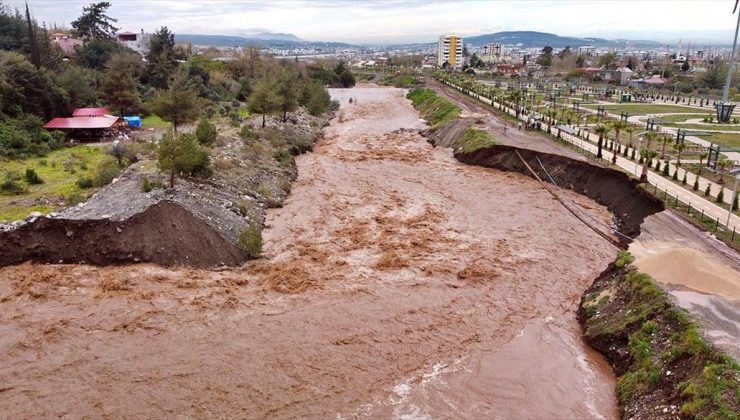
681	118
154	121
643	109
661	337
436	110
725	139
60	174
243	112
473	139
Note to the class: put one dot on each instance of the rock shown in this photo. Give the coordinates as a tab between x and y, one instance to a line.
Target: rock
34	215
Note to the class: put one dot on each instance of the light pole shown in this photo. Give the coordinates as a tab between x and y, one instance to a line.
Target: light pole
725	108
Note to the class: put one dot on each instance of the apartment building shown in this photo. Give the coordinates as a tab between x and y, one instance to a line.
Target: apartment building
450	51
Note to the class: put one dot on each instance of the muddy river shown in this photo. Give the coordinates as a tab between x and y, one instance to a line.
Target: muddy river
396	283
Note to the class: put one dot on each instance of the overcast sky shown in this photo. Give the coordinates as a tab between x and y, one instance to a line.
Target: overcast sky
401	21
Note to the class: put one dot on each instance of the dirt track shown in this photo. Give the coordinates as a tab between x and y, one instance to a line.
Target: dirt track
411	285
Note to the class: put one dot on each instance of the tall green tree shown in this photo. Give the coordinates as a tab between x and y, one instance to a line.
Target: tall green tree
179	104
647	153
24	89
34	46
618	127
80	85
96	52
263	99
120	88
161	57
602	130
545	58
287	91
94	22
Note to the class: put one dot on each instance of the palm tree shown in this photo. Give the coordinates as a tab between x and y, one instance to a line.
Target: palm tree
617	126
665	138
630	130
724	166
602	130
679	148
647	154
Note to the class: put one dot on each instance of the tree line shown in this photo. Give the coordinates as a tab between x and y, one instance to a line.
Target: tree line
38	81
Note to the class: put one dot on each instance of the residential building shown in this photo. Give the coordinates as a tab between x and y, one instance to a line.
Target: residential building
450	51
137	42
65	42
587	49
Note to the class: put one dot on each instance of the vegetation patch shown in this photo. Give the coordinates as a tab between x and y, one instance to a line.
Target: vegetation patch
436	110
473	139
250	240
665	367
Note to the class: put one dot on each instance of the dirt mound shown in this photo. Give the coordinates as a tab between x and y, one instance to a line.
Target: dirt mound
165	233
608	187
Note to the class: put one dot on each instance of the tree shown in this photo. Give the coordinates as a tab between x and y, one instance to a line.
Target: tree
179	104
316	98
664	139
617	126
119	88
94	22
206	132
79	85
724	166
182	155
263	99
602	130
679	148
685	66
161	57
287	92
35	56
545	58
608	60
581	61
24	89
96	52
647	153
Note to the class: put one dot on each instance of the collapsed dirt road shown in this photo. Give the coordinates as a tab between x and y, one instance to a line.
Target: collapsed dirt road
397	283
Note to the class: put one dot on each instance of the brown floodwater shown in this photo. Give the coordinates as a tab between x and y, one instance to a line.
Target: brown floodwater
396	283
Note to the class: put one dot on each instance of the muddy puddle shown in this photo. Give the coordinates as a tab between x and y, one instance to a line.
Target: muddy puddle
396	283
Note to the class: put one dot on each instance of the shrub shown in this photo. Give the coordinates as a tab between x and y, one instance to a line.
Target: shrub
675	175
11	184
85	182
250	240
666	168
735	204
74	199
246	133
283	157
206	132
624	258
148	185
708	191
298	145
721	195
696	184
32	178
684	180
105	172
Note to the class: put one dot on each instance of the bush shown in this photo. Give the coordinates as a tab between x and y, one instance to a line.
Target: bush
250	240
32	178
183	155
708	191
696	184
721	195
473	139
206	132
684	180
624	258
105	172
25	137
11	184
283	157
735	204
147	185
246	133
85	183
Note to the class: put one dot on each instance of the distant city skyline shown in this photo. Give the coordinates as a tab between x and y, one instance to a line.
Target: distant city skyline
411	21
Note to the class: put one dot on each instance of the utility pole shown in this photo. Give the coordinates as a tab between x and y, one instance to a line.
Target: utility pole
725	108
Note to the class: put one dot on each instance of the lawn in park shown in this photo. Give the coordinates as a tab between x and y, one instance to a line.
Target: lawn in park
644	109
724	139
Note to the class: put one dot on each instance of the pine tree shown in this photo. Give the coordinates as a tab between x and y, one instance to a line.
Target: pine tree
179	104
708	191
721	195
735	204
696	184
684	180
120	89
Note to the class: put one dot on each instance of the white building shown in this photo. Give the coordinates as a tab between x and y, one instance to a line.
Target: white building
137	42
450	51
587	49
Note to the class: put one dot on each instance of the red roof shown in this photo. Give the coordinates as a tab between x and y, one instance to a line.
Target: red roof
81	122
126	33
90	112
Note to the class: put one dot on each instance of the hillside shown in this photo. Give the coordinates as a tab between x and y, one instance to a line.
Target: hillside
286	41
530	39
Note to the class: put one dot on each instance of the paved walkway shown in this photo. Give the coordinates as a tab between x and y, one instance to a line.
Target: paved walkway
696	201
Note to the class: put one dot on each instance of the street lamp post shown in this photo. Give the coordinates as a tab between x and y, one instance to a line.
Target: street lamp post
725	108
732	200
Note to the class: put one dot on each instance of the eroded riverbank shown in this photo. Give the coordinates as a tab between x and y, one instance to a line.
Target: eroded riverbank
412	285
